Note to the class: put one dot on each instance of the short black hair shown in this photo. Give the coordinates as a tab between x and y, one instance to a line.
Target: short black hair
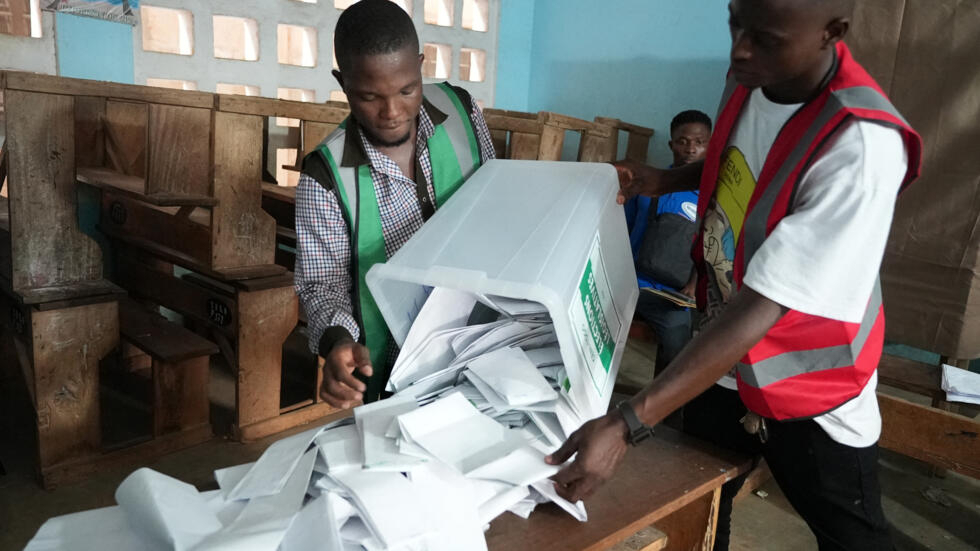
372	27
689	116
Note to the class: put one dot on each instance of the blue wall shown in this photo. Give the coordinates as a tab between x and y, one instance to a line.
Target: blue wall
638	60
94	48
514	54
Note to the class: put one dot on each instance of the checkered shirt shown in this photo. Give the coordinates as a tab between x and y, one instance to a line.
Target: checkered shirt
322	274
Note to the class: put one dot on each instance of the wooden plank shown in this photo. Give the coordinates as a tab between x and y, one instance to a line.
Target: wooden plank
122	216
620	125
595	148
213	309
918	377
693	526
286	194
524	146
34	82
47	248
648	539
268	107
938	437
265	319
179	155
661	476
566	122
67	347
133	187
90	131
552	141
637	147
757	477
320	412
125	127
72	294
180	395
512	124
160	338
313	133
499	139
131	457
263	283
243	235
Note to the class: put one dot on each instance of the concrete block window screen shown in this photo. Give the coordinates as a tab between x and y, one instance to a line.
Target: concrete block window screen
172	83
236	38
286	157
20	17
297	45
167	31
338	95
343	4
239	89
439	12
437	60
472	64
476	15
294	94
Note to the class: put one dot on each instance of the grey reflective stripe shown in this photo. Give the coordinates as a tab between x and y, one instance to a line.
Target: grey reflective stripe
790	364
347	174
456	129
858	97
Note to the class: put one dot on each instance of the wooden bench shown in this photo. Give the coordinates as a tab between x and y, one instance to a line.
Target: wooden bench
249	320
541	136
637	143
179	369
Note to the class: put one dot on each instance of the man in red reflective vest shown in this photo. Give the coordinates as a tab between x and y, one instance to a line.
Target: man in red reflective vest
797	194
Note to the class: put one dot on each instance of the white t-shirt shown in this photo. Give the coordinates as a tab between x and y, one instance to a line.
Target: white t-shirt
823	258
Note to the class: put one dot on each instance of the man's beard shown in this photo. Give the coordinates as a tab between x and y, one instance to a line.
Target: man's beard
378	142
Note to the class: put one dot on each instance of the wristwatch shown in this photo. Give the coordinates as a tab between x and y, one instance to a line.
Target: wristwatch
638	432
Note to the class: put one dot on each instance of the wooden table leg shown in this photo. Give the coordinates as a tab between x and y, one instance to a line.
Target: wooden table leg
693	526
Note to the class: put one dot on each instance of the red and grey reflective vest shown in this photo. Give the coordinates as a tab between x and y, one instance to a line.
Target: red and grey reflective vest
805	365
455	155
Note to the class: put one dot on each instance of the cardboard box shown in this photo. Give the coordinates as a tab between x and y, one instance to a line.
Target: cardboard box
926	55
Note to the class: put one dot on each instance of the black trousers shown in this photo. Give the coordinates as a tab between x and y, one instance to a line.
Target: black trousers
833	487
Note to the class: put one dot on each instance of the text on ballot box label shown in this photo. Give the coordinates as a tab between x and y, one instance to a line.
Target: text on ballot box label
595	320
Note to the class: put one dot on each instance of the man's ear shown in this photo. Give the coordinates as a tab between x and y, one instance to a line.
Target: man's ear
421	60
836	30
339	77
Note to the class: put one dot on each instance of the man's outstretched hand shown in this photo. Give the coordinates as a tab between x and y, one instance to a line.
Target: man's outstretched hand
636	179
600	445
340	388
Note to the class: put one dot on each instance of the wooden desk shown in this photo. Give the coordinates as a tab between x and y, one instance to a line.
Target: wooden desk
670	481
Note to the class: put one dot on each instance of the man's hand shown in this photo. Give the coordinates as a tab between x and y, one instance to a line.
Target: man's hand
340	388
636	179
601	445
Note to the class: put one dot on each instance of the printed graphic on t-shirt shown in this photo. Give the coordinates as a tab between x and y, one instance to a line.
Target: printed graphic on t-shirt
723	224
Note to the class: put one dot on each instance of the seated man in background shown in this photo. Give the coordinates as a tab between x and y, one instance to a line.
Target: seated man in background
372	183
661	232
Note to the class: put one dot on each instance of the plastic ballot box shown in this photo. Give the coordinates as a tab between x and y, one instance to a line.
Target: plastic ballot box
548	232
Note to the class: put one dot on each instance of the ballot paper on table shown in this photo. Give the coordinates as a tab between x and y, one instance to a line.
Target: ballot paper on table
340	448
380	452
454	432
166	509
315	528
388	504
269	474
961	385
264	521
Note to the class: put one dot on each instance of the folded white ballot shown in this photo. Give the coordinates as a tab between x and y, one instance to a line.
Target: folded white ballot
381	453
166	509
454	432
510	373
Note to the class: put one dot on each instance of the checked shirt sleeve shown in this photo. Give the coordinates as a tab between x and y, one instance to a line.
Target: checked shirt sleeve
482	134
322	273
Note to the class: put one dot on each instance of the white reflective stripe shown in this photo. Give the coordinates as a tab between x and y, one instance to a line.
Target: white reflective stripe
789	364
456	129
335	142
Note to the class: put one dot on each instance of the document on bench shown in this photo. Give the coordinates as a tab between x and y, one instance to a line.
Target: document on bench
961	385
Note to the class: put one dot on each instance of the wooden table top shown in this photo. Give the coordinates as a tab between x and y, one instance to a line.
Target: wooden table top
657	478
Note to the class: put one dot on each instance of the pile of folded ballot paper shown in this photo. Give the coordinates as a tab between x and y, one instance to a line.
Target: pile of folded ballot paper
479	398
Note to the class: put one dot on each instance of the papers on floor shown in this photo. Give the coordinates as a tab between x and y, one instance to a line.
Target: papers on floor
961	385
480	398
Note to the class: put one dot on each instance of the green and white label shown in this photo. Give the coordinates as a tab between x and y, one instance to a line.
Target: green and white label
595	321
